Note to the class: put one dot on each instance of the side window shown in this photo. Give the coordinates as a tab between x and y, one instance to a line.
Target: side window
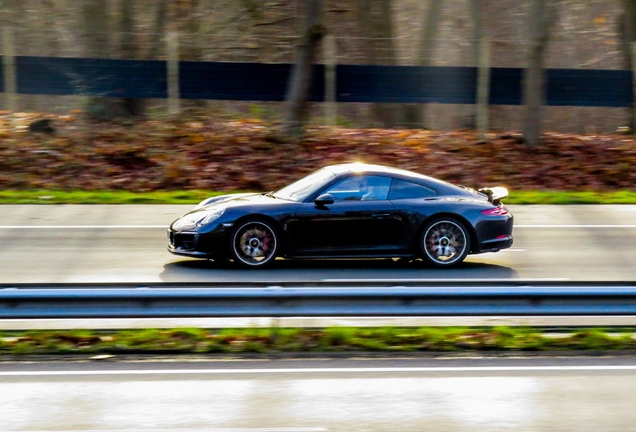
401	189
361	188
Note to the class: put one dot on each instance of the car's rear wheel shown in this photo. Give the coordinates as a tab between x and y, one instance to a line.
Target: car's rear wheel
254	244
445	242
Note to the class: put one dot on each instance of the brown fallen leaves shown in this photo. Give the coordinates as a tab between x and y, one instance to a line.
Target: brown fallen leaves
236	155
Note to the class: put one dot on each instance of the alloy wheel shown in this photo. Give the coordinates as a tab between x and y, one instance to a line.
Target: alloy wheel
254	244
445	243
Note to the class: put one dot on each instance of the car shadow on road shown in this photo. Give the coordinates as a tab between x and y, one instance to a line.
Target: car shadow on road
189	270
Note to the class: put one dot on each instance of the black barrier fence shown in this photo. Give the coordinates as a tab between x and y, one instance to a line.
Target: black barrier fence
354	83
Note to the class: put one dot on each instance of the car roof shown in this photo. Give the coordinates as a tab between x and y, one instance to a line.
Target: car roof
363	168
359	167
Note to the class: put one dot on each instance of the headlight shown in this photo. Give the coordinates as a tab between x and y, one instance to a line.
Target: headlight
197	218
211	216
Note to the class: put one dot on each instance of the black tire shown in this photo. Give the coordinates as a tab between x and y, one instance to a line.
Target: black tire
445	242
254	244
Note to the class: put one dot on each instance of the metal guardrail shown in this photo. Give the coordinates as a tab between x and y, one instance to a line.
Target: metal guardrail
315	300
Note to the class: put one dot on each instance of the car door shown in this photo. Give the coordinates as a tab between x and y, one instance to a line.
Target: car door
359	222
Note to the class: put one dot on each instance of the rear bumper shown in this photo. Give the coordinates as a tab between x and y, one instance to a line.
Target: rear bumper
493	234
495	245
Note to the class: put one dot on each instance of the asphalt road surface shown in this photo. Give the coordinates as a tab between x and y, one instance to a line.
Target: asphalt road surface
127	243
575	394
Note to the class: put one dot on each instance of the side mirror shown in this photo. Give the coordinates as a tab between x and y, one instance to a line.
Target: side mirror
324	200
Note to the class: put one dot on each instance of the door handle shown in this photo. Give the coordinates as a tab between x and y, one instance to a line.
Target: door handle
380	215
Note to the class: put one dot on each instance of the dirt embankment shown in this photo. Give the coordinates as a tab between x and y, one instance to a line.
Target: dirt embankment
203	153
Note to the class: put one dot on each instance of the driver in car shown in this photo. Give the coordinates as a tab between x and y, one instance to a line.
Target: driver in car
367	190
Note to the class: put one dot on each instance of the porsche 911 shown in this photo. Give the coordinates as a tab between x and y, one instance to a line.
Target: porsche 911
348	211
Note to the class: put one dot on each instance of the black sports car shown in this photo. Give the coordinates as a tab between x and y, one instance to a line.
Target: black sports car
348	211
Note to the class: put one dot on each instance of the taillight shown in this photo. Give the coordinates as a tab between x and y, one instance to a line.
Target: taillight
496	211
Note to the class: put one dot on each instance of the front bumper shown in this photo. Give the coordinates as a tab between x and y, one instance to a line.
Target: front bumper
187	253
185	244
196	245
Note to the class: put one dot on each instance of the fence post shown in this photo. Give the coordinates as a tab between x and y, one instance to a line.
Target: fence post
9	68
174	106
330	60
483	87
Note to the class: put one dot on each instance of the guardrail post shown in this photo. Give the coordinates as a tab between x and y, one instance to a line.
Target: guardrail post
9	68
330	56
483	88
174	106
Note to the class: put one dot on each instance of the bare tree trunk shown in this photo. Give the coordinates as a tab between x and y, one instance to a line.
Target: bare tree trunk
127	36
627	32
431	20
426	47
96	30
365	23
128	49
159	29
193	49
395	114
381	113
11	18
375	20
543	13
193	26
474	9
301	75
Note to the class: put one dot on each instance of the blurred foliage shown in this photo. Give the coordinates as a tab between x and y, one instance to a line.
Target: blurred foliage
200	154
334	339
196	196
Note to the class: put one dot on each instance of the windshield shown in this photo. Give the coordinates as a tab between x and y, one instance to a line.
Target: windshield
306	186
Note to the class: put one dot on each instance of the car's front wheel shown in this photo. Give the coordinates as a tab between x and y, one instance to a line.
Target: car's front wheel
445	242
254	244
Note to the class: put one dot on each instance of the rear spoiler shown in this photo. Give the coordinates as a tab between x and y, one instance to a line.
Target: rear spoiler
495	194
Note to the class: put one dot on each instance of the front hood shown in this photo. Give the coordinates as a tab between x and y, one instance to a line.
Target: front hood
235	200
221	198
195	217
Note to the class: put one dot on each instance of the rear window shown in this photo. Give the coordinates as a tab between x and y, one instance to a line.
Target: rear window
402	189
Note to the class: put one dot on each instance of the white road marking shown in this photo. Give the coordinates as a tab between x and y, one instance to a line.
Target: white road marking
283	371
574	226
83	226
283	429
446	280
166	226
317	322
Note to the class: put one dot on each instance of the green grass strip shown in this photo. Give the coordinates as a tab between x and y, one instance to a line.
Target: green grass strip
564	197
103	197
294	340
195	196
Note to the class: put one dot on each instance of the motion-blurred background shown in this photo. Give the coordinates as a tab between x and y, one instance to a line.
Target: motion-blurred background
587	35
